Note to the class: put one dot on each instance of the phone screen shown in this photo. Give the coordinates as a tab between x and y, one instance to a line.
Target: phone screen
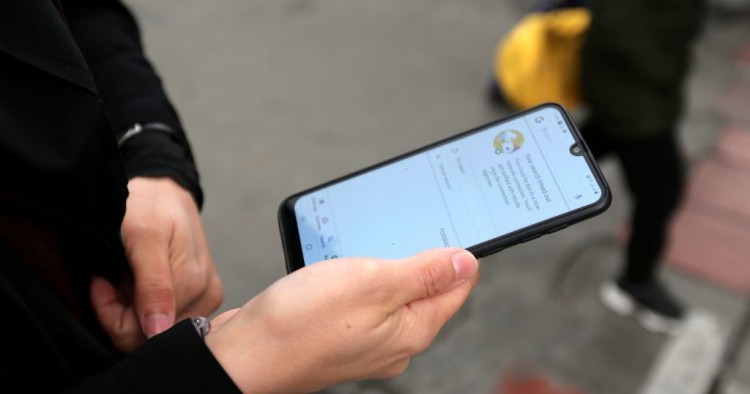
462	192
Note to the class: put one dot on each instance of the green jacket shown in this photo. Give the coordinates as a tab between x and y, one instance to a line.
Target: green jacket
635	61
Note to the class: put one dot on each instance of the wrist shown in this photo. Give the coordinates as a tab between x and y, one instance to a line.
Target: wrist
251	355
151	150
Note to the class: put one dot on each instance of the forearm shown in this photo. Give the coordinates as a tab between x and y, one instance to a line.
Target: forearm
108	36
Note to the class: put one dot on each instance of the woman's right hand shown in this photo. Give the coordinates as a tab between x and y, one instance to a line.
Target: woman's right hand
341	320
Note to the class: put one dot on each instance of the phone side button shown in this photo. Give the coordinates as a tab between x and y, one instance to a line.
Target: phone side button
558	228
530	238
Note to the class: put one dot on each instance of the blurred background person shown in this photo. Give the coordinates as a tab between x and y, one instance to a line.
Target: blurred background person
635	60
622	67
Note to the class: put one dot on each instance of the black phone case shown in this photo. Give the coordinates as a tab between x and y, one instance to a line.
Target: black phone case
290	235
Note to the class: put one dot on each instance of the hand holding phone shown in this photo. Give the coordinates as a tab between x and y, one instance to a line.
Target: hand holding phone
297	336
484	190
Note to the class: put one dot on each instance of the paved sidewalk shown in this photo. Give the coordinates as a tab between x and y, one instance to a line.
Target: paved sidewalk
712	231
711	234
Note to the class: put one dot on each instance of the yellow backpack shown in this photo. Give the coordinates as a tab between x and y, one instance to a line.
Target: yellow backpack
539	60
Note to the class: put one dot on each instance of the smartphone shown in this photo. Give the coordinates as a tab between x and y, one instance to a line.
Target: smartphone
484	190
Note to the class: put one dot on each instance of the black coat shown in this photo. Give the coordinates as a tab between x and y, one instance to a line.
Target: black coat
70	85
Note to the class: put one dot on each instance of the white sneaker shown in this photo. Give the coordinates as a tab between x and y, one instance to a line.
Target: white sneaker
649	304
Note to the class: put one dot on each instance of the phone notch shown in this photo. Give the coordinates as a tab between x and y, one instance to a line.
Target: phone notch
577	150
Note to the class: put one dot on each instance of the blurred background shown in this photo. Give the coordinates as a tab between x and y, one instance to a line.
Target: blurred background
278	96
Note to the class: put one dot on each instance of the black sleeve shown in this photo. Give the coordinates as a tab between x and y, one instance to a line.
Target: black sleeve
51	350
176	361
108	36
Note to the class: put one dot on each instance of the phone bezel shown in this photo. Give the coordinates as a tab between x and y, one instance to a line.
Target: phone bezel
288	222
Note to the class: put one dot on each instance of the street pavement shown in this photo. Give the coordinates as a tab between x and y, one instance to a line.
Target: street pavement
280	96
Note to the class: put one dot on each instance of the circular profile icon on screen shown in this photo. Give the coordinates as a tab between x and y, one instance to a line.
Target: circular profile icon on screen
508	141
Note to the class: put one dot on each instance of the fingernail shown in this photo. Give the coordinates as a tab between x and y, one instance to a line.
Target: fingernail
465	265
157	323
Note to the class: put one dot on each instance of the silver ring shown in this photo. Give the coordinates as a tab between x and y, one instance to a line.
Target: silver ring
202	325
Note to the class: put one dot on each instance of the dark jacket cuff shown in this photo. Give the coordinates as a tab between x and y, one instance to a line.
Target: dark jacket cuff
176	361
156	153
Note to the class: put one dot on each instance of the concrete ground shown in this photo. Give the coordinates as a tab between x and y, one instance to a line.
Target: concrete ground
279	96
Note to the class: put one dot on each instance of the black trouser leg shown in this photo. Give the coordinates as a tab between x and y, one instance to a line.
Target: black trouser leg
654	173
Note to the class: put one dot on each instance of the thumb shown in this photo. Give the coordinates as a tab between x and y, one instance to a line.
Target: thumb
433	272
155	301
